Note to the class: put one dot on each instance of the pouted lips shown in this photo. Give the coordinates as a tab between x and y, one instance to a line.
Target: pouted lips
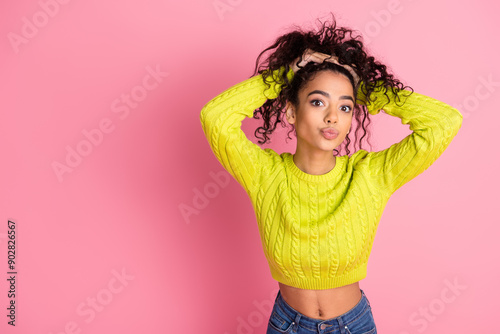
329	133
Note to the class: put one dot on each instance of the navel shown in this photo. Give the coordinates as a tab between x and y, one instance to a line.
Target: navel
320	314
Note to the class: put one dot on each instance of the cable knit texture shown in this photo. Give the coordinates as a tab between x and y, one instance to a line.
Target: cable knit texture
317	231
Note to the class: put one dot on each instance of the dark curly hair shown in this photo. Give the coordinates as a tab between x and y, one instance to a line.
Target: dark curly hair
341	42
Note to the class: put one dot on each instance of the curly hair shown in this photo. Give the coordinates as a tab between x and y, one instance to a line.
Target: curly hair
332	40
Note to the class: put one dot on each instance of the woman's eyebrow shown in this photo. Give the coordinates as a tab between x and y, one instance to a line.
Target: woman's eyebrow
346	97
317	91
343	97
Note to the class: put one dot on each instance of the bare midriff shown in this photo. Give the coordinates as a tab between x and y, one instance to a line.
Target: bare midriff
321	304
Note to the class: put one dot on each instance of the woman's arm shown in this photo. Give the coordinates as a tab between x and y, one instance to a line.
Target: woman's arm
221	122
434	125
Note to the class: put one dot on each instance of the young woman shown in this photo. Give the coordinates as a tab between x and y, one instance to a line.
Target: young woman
318	210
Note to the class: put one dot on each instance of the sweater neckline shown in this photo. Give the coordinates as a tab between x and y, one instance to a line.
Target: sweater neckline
332	174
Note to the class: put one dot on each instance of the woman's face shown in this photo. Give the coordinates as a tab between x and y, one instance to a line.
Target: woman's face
326	101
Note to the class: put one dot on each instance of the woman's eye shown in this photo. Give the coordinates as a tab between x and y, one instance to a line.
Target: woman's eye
345	108
316	101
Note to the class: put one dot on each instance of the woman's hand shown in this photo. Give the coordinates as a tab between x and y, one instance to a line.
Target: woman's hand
308	56
318	57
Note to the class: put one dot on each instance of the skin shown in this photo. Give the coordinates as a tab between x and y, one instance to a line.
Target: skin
314	155
325	101
321	304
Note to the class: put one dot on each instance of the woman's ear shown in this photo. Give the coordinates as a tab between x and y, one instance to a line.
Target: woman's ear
290	112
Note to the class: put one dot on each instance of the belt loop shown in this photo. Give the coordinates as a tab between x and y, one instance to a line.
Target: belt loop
297	320
367	301
341	325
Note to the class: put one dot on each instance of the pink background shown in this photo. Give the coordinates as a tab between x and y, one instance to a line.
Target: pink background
118	212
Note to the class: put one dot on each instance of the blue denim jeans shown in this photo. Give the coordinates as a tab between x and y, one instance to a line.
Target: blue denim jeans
358	320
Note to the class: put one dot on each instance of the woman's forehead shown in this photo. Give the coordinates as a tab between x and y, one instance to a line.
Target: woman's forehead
333	83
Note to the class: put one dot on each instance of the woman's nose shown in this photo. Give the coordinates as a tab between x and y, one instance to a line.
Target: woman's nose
331	116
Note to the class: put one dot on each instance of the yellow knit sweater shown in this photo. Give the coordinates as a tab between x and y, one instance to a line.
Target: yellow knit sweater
317	231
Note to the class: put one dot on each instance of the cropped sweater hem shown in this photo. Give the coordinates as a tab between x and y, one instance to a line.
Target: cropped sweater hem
322	283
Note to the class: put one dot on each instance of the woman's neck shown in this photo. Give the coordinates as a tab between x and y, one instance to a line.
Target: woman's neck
316	163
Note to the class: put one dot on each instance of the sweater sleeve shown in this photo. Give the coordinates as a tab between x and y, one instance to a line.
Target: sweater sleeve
434	125
221	121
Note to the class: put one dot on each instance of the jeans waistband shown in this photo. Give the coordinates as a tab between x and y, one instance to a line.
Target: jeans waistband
331	324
